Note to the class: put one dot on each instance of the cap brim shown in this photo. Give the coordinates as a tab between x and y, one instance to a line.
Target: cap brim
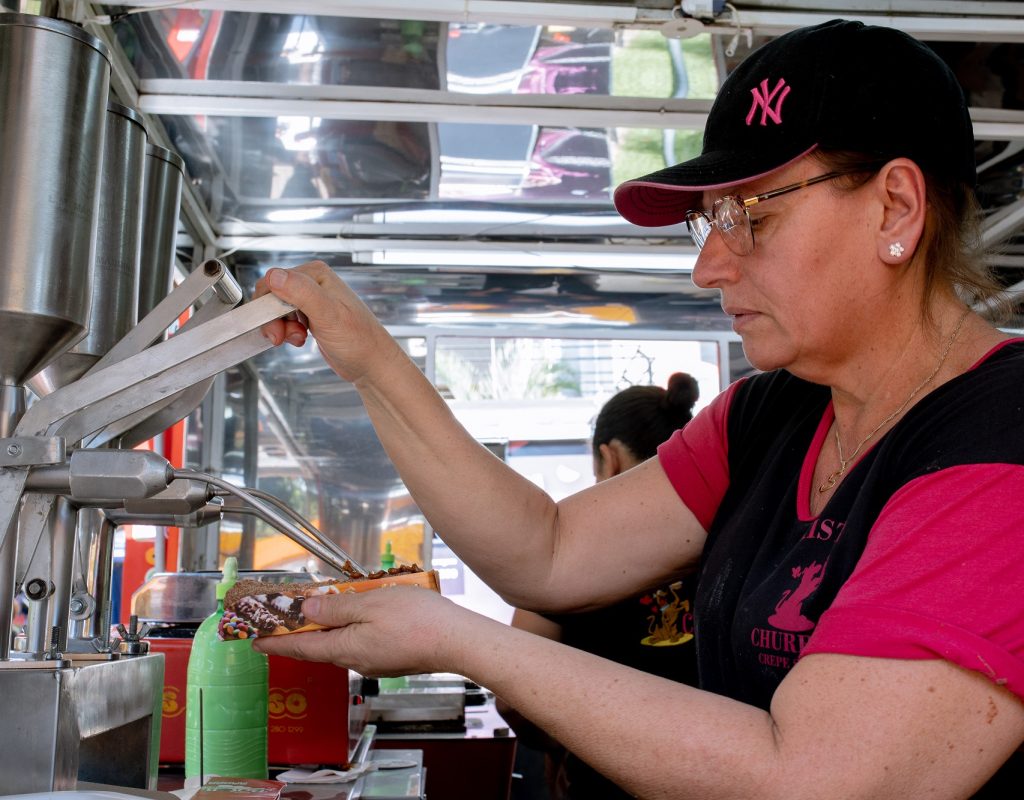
664	197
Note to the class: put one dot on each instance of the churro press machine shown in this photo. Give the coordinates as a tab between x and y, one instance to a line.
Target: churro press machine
88	215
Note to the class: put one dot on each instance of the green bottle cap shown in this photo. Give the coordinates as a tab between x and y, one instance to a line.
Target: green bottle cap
230	577
387	558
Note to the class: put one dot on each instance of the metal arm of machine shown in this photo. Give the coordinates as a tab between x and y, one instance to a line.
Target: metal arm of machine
317	544
90	478
213	278
110	394
103	397
210	275
304	523
210	513
104	477
147	422
100	398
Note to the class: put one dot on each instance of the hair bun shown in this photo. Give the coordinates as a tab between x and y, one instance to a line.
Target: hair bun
682	391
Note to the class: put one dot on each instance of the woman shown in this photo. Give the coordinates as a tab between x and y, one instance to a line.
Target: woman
855	509
651	631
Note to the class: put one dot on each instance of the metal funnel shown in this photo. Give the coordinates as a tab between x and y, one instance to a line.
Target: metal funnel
164	176
115	272
54	82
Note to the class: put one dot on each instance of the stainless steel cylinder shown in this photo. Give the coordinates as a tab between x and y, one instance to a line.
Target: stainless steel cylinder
54	82
164	175
115	272
96	551
62	527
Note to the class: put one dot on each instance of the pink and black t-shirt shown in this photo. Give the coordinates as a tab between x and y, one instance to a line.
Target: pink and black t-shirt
918	554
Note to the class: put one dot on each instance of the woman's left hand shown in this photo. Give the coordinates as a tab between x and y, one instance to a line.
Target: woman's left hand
397	630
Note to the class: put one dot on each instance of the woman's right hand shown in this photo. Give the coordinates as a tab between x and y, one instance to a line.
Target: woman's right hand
350	337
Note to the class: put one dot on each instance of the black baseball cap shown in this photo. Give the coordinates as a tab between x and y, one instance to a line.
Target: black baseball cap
839	85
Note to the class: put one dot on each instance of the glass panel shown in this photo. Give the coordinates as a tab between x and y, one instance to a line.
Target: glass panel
293	169
301	166
739	367
550	389
281	48
292	162
510	300
319	453
524	163
540	396
477	58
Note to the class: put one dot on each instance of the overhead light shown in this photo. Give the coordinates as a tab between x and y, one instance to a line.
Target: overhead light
505	317
498	219
631	257
674	261
295	214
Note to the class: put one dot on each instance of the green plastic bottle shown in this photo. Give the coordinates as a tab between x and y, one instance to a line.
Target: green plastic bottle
387	561
232	681
387	558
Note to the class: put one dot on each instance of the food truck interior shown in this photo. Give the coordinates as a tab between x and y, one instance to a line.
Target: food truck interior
454	162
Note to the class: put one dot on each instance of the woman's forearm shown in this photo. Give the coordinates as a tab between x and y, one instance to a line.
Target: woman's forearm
853	727
617	719
486	512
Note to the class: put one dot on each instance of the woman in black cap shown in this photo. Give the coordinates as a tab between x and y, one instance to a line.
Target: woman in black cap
856	510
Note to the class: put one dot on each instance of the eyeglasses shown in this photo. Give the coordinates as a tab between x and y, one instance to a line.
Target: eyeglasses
729	214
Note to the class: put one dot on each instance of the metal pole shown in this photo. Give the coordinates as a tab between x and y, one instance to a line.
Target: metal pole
12	407
250	402
64	521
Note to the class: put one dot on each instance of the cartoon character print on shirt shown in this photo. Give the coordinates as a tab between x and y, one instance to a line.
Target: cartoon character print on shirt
780	641
671	621
787	616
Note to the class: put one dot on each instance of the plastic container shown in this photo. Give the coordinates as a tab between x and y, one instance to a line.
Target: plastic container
226	706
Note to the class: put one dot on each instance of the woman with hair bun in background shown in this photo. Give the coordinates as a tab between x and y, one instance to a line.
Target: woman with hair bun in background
651	631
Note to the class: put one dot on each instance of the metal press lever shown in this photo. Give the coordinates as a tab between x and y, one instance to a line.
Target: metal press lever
105	396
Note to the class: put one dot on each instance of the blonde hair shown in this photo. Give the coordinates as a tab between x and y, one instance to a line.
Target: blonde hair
950	249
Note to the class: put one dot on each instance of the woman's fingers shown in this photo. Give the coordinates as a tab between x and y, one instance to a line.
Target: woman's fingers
384	632
311	646
302	287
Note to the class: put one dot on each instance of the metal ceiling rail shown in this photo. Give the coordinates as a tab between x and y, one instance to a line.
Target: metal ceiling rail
989	8
499	12
1003	223
255	99
965	27
248	99
918	19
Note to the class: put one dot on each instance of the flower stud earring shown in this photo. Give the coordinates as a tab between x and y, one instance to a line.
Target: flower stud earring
896	249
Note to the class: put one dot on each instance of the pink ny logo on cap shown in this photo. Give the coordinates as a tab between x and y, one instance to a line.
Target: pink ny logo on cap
770	103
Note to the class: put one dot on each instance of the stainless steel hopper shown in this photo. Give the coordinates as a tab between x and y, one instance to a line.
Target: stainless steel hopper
49	174
115	269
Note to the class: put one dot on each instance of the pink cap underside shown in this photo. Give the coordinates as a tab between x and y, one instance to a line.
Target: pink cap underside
706	187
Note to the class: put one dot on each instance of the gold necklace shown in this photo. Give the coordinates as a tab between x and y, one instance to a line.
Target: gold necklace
834	477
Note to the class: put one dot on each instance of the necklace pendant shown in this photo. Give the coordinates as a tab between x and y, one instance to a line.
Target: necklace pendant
829	483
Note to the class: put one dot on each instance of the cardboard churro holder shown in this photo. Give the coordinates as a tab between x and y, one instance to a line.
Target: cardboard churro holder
256	608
